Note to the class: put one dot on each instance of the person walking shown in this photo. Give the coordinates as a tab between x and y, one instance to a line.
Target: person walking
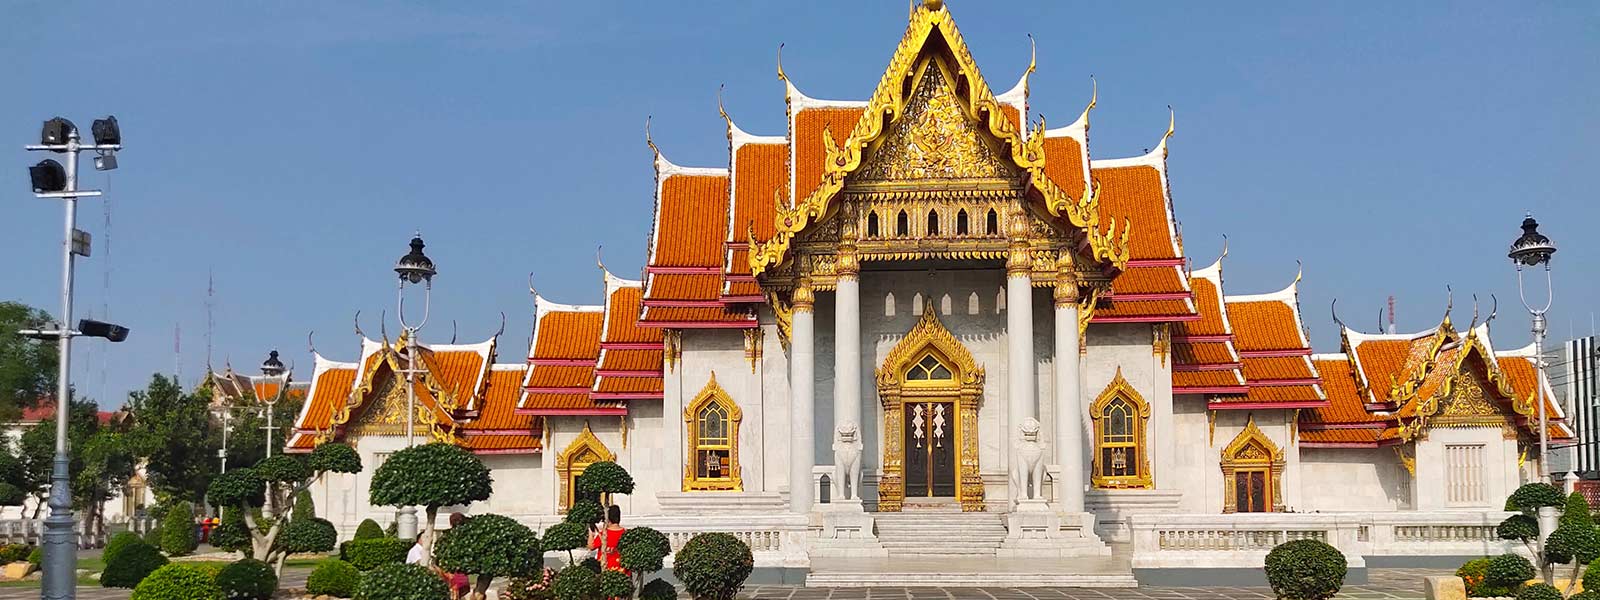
605	540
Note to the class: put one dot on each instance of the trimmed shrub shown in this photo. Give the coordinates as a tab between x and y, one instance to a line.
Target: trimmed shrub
131	564
247	579
432	475
566	536
178	582
658	589
119	541
367	530
615	584
585	513
153	536
1508	571
1539	591
1591	579
36	556
232	534
489	546
1518	527
402	582
11	553
1585	595
713	566
1305	570
367	555
531	588
177	531
576	583
605	477
1475	574
591	563
1575	537
209	567
1531	496
304	507
307	535
333	577
642	549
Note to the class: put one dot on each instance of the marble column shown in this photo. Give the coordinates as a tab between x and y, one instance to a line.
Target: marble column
1020	404
802	398
1069	399
846	362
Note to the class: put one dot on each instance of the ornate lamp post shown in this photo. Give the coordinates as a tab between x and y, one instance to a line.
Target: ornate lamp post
1533	249
272	368
415	267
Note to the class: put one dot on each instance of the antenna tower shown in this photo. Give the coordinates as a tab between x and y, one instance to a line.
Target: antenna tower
1391	313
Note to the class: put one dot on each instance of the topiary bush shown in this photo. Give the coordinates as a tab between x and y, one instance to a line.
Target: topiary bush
232	534
1591	579
1575	537
247	579
1305	570
1531	496
591	563
402	582
132	562
36	556
658	589
566	536
304	506
1508	571
642	549
368	529
585	513
367	555
1585	595
1539	591
430	476
11	553
209	567
1475	575
713	566
576	582
152	536
1518	527
333	577
537	587
177	531
615	584
117	542
307	535
178	582
605	477
489	546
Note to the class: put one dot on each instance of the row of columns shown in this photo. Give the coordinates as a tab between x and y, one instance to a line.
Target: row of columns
1021	400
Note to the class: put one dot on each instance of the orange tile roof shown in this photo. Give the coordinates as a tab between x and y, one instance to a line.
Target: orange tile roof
1277	368
1383	361
691	221
1013	115
506	444
330	388
622	315
1138	193
646	386
568	335
631	360
549	403
455	371
1149	280
1208	302
1206	379
809	151
1345	404
561	376
743	288
1280	394
1350	437
678	286
1144	308
1265	325
1519	371
761	171
669	315
500	403
1063	164
561	369
1202	353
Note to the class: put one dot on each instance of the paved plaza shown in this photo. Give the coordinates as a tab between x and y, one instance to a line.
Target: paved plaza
1386	584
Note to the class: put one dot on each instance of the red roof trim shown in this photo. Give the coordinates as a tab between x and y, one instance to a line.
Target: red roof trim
626	396
1156	262
1283	382
1146	319
1225	389
510	451
1185	368
1201	339
1381	444
557	390
630	345
1260	405
1384	406
1292	352
1157	296
556	412
733	299
717	270
496	432
627	374
561	362
699	324
669	303
1326	426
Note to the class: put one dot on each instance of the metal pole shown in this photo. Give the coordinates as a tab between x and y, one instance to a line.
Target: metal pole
222	455
1544	424
406	519
60	549
271	439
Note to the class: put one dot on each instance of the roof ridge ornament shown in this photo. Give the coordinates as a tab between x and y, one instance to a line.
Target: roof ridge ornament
648	141
781	75
1449	304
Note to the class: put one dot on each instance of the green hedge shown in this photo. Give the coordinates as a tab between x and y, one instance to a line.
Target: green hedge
1305	570
178	582
1475	574
713	566
248	579
333	577
178	532
307	535
11	553
367	555
658	589
131	564
1539	591
368	529
615	584
119	541
1509	570
402	582
576	582
232	534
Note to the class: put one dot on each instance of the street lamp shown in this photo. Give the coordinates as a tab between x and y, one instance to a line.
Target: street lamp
415	267
272	370
1533	249
51	179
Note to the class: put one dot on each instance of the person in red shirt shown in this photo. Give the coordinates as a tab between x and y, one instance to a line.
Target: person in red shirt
604	540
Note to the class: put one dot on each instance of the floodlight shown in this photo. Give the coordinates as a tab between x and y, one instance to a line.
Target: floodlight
106	132
48	176
56	131
102	329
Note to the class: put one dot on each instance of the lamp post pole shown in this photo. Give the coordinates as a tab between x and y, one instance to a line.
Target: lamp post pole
1533	249
415	267
61	136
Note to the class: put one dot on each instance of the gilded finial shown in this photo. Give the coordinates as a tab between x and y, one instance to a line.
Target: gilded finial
1033	56
502	329
720	110
598	261
532	292
311	341
781	75
1474	323
648	141
1300	271
1224	248
1094	93
1334	308
933	4
1494	309
358	325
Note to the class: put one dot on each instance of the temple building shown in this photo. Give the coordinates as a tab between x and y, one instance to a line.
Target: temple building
927	323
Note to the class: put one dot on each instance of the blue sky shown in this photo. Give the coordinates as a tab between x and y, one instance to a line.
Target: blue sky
292	147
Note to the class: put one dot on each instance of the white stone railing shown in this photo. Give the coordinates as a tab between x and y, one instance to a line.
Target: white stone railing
774	540
31	531
1243	540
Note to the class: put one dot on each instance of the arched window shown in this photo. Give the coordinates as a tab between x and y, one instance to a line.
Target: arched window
961	222
872	224
992	225
888	304
585	450
902	224
933	223
712	420
1121	457
930	368
972	304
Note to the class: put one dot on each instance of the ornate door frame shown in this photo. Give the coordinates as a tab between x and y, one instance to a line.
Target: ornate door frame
965	386
571	459
1252	450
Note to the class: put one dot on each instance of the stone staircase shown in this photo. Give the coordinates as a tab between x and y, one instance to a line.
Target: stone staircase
940	532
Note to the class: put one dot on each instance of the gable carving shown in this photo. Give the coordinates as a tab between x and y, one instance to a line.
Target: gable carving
934	139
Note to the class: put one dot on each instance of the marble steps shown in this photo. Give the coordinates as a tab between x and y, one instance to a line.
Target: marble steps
940	533
960	578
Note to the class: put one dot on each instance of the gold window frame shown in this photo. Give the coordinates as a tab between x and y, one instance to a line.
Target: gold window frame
1252	451
712	394
1119	388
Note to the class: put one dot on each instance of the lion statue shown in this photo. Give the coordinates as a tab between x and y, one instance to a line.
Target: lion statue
846	462
1027	462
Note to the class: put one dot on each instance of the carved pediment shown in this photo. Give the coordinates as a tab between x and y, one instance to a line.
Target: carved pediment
934	140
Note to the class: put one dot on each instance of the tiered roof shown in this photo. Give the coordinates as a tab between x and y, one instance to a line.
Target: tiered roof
1275	351
561	361
629	365
689	246
1204	357
462	397
1154	287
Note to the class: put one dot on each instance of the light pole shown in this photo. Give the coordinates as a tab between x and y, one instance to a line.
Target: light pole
415	267
52	180
272	369
222	453
1533	249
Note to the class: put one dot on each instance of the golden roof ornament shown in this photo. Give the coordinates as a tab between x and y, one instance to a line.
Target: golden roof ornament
933	4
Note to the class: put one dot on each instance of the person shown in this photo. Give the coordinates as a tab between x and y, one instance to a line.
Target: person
605	539
459	584
416	555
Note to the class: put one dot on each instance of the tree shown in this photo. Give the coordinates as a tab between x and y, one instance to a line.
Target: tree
107	463
489	546
1527	500
247	444
285	476
38	446
1574	539
602	479
431	476
643	550
27	366
13	478
173	432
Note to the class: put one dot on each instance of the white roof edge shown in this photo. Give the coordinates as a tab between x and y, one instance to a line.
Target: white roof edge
741	138
798	100
507	367
1212	272
1330	356
666	169
1527	351
613	283
1357	337
1017	97
1287	295
1078	129
479	347
1156	158
542	307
